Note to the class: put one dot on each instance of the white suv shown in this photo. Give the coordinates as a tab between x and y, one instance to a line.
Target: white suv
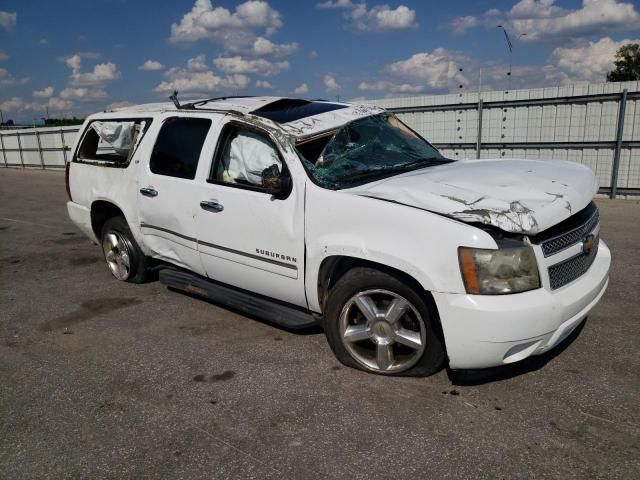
303	212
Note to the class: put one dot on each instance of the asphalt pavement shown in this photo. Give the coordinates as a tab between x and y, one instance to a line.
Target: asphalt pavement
102	379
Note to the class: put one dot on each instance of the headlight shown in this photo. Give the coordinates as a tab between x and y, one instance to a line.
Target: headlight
496	272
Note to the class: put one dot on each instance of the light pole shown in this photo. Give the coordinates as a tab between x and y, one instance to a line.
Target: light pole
510	46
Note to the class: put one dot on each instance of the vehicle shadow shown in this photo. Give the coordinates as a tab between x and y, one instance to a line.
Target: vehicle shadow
505	372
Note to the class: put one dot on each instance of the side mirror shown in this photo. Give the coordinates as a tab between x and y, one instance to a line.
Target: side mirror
276	183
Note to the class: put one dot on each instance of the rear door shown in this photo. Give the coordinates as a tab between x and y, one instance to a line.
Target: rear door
167	195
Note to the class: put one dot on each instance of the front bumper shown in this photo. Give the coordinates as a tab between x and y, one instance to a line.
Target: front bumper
483	331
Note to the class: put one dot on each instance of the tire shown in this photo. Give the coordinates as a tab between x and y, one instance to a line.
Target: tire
378	323
123	256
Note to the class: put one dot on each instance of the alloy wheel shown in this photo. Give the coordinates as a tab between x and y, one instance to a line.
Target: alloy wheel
382	331
117	254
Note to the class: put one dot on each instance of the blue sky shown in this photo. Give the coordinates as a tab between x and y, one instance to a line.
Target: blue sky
78	57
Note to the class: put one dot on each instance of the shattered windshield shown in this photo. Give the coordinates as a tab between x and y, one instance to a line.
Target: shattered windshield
365	150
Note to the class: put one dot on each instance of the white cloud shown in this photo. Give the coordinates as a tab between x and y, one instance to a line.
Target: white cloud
301	89
203	82
151	66
3	56
7	79
120	104
43	41
197	64
187	80
589	63
439	69
44	93
17	105
102	72
57	105
83	94
14	104
235	30
336	4
259	66
386	86
544	21
263	84
378	18
8	20
313	54
74	62
460	25
330	82
263	47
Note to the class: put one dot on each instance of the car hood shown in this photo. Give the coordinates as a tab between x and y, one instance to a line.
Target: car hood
519	196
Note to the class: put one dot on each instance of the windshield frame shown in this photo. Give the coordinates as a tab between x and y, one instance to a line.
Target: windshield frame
374	178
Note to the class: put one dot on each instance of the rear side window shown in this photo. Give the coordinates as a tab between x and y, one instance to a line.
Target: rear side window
178	147
112	142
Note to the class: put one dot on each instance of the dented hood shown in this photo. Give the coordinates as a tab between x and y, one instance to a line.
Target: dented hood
520	196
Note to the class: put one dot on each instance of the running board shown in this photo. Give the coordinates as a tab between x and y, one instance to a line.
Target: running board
281	314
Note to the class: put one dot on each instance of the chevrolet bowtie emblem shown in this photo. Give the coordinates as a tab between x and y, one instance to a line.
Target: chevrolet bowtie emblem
588	243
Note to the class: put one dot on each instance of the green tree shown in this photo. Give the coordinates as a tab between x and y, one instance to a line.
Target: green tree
62	122
627	64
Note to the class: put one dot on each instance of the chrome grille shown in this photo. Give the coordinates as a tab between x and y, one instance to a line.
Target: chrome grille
565	240
567	271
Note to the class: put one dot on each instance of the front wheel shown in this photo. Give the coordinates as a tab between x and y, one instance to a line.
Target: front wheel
124	258
376	322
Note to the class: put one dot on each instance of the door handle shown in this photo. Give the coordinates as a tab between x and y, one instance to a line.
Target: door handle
149	192
211	206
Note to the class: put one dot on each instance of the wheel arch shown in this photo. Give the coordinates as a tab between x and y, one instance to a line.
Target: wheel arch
101	211
334	267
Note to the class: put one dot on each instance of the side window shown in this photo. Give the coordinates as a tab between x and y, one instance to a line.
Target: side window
247	158
112	141
178	147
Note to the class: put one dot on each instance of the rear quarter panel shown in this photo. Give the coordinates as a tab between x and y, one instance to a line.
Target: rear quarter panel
89	183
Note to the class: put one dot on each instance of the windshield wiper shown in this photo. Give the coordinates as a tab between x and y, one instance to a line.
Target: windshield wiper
405	167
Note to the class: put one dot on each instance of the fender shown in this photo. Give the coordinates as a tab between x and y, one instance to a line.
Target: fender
419	243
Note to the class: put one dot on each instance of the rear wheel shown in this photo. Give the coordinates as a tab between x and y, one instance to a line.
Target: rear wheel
376	322
124	258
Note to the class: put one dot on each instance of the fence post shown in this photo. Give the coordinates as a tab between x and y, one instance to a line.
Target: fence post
40	148
4	154
20	148
479	139
622	106
64	147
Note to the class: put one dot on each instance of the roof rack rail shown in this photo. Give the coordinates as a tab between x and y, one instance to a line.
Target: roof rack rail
193	105
215	99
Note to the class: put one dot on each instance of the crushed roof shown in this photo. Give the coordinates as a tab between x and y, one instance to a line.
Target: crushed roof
297	117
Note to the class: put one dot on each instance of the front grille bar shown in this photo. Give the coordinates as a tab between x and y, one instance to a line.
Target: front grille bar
567	239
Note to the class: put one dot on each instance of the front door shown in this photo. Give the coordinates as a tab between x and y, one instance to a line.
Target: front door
246	236
167	194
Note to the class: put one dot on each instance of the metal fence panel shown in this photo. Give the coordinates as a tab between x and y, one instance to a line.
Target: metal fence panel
596	125
587	124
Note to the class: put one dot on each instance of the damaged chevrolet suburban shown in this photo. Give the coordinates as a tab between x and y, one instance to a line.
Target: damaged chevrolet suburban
311	212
